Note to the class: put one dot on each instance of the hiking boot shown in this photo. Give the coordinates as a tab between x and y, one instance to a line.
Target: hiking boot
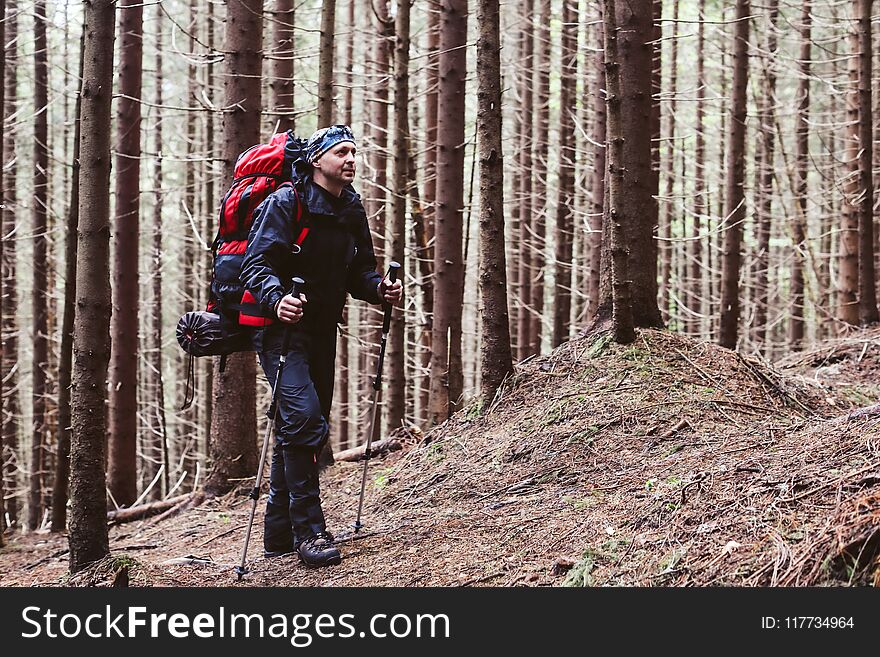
319	551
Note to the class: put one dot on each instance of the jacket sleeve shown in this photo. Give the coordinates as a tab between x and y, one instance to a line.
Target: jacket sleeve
363	279
268	247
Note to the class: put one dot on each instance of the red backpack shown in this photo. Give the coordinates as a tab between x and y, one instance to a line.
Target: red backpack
259	171
224	327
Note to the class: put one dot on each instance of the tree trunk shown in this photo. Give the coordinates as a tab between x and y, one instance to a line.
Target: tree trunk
122	418
377	201
91	339
3	161
665	229
799	225
694	270
735	200
40	288
849	266
637	204
618	168
281	84
656	130
428	205
526	223
867	285
597	184
496	360
233	421
767	118
9	301
540	127
179	450
159	438
62	463
567	155
325	63
348	100
446	367
425	257
397	343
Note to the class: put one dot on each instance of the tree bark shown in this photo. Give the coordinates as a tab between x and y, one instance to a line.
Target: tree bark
429	201
665	229
446	367
567	155
62	463
849	266
618	168
867	285
41	284
122	419
159	437
526	222
802	155
637	205
210	201
597	184
91	340
377	198
2	243
496	361
9	301
233	421
325	63
540	127
767	118
735	200
281	84
348	93
397	343
694	270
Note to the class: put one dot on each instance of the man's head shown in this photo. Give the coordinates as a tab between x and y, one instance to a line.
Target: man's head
331	152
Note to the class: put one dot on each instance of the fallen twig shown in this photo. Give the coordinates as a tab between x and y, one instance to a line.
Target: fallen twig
142	511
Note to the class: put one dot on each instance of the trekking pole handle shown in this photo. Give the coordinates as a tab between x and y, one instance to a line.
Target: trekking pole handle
295	289
393	268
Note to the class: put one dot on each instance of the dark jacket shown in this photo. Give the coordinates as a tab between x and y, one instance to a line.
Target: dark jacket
336	258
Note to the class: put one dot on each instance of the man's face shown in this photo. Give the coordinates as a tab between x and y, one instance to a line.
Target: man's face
338	163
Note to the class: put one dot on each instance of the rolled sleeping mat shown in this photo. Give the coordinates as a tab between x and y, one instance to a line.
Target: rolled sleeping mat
203	333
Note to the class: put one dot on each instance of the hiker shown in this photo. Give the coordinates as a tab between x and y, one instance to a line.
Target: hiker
334	255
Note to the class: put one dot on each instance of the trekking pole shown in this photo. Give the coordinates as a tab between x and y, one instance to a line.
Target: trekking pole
393	268
240	570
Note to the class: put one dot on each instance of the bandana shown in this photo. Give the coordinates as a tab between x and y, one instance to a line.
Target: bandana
325	139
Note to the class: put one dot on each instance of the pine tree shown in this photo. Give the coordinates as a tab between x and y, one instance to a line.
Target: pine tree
233	421
122	418
91	339
735	166
446	366
496	361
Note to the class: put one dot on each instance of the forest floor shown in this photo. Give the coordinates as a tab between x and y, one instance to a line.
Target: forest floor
667	462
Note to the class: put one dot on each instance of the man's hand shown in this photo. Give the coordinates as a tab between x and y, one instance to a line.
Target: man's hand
290	309
390	292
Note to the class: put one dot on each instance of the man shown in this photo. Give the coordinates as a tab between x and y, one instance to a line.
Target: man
331	249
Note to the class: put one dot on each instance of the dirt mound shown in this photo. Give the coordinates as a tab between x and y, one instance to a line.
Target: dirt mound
664	462
848	367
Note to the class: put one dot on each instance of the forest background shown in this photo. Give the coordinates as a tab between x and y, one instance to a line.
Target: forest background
751	222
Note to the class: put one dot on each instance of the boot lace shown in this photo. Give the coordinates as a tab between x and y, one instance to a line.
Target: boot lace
321	540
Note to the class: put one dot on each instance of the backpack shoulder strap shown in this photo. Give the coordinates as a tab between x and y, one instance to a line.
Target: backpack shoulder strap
301	217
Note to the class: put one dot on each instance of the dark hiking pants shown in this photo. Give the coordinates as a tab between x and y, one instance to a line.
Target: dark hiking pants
305	392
